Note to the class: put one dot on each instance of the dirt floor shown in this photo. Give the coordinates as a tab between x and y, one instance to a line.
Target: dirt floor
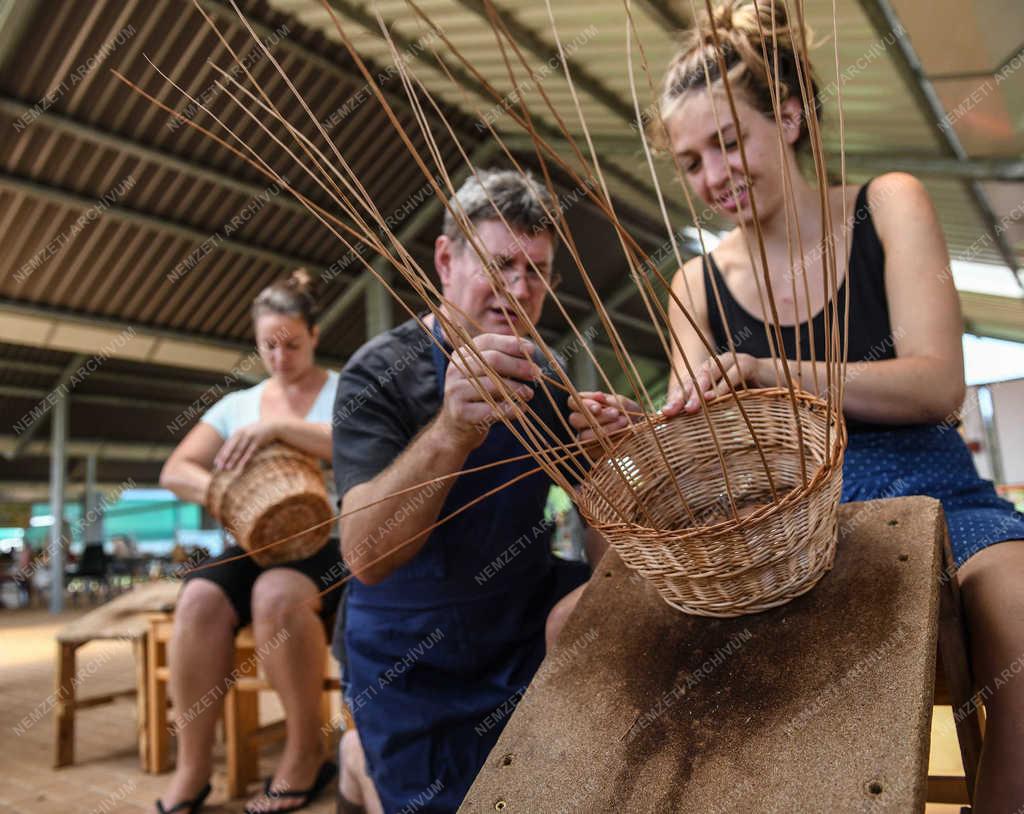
106	777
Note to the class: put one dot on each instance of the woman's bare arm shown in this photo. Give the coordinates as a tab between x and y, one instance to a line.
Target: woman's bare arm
925	383
187	471
687	285
313	437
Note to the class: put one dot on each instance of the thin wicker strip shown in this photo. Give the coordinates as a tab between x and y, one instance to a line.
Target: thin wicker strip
280	492
723	566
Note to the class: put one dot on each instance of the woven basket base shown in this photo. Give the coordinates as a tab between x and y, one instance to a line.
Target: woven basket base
299	512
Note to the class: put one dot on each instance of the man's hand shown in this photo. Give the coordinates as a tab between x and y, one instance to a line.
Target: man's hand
609	412
709	381
465	414
245	441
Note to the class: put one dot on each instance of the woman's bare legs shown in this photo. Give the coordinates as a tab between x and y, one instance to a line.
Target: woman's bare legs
292	648
200	657
992	583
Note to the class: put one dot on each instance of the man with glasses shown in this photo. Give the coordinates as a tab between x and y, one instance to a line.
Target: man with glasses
444	627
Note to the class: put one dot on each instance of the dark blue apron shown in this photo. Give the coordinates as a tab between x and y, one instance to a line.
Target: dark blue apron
438	654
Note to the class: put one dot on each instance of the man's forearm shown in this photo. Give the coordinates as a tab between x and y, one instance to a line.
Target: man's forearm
378	539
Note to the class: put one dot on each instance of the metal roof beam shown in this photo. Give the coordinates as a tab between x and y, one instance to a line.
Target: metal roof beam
360	16
623	294
980	169
545	51
16	391
15	18
119	377
977	169
65	124
662	11
40	327
584	304
103	449
984	73
406	233
70	369
73	200
226	14
885	20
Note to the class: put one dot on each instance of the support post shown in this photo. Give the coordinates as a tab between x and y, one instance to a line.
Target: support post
92	528
58	466
378	306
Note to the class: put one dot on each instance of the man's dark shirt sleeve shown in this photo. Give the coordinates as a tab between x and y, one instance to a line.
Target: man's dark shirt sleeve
386	394
369	429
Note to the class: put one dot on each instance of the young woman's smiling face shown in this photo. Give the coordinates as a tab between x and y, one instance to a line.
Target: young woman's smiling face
711	162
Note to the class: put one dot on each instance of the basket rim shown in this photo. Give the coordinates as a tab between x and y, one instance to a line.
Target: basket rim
764	512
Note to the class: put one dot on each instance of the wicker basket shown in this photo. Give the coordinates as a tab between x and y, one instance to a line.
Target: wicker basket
279	493
703	560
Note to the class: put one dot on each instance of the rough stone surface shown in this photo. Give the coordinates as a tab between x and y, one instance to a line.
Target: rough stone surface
821	705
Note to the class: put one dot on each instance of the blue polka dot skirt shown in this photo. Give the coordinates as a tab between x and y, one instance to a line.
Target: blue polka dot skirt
931	460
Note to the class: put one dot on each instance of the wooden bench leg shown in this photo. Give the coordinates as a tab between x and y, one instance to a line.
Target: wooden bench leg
142	718
156	704
64	746
241	717
956	664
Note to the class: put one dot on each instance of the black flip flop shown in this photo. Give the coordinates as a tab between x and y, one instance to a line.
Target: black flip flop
186	806
328	771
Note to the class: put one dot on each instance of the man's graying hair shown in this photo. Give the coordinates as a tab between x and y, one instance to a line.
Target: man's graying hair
518	197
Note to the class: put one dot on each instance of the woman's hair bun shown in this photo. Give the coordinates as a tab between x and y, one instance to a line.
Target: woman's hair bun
757	44
291	296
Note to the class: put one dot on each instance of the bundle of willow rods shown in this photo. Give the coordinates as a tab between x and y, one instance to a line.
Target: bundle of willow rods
728	511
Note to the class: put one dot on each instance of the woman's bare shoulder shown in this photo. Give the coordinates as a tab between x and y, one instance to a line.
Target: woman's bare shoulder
688	285
891	193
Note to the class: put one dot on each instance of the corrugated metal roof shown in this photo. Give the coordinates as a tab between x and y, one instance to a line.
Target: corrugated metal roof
881	109
158	241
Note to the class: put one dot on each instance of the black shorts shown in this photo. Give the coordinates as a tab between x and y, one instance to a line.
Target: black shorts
237	576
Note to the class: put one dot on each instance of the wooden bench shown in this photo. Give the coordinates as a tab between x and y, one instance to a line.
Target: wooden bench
823	704
124	618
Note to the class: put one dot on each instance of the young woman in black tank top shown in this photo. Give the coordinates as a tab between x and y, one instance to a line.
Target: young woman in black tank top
905	379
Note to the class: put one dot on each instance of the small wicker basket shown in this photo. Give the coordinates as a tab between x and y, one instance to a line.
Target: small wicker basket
704	560
279	493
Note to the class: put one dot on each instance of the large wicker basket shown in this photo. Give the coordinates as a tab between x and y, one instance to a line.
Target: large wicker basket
278	494
704	560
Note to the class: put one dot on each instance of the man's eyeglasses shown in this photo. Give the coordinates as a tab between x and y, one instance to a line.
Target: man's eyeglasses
534	280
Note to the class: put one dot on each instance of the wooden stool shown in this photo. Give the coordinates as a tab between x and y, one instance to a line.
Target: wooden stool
825	701
125	619
243	734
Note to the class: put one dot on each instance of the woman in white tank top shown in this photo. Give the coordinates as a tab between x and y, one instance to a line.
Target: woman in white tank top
282	602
